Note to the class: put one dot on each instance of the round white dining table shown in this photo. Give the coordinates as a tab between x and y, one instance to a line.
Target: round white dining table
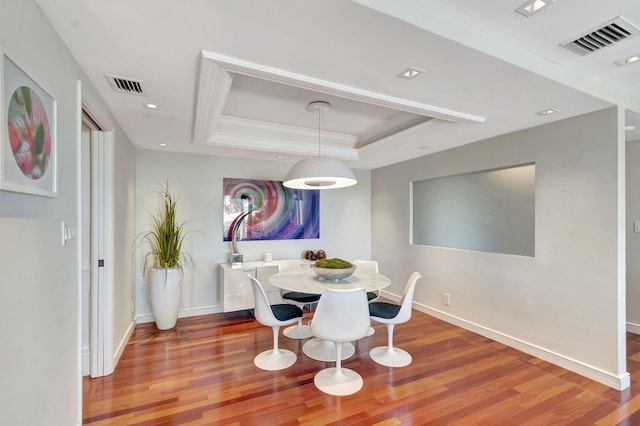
306	281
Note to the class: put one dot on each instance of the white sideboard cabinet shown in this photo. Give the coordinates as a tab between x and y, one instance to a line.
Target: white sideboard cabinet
236	286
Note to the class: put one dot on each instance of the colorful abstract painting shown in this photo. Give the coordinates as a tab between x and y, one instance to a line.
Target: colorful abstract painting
278	213
28	150
29	133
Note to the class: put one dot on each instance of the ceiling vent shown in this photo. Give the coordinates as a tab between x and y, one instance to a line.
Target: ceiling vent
612	32
126	85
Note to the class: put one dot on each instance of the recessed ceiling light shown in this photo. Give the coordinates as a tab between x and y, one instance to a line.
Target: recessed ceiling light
629	60
163	144
425	147
629	128
409	73
532	6
150	105
279	157
547	111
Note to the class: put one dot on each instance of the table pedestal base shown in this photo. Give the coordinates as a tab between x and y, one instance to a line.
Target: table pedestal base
323	350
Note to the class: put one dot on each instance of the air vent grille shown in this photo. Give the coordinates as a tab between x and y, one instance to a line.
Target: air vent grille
612	32
126	85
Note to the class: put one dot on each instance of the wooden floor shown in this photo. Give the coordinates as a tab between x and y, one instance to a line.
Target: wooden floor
202	373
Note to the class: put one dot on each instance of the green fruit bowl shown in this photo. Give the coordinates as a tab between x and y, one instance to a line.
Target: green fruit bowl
334	274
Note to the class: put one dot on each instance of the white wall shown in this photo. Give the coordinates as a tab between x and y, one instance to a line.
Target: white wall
633	238
345	220
39	278
565	303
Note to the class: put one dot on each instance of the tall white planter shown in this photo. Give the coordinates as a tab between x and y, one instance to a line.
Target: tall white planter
165	290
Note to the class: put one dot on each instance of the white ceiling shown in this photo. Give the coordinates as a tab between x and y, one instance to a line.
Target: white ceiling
234	77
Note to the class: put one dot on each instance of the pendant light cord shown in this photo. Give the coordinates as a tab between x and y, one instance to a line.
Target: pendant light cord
320	119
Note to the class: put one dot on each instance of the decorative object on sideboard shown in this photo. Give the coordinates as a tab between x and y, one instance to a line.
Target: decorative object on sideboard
314	255
236	256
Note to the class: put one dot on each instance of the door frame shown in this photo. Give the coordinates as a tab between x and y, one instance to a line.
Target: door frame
101	199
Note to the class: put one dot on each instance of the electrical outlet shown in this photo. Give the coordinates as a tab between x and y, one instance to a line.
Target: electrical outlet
446	299
636	226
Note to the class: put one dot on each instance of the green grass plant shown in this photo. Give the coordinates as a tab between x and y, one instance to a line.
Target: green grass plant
166	236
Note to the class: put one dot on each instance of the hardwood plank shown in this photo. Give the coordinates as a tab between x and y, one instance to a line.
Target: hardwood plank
202	373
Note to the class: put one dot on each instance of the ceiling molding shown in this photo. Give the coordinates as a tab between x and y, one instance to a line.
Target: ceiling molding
416	135
213	88
213	65
212	128
251	69
269	137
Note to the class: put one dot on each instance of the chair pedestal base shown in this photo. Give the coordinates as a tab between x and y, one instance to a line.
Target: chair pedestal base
297	332
390	357
338	382
323	350
275	359
371	331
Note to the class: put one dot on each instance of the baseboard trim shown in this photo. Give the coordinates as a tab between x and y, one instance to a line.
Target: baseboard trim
123	344
618	382
633	328
185	313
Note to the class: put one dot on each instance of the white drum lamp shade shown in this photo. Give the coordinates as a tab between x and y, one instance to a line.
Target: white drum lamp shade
319	172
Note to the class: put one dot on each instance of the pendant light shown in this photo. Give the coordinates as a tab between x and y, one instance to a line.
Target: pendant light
319	172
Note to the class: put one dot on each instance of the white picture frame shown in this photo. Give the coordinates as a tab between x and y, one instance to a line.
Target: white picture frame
28	142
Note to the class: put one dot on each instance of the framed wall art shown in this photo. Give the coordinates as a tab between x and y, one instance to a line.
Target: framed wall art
276	212
28	140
